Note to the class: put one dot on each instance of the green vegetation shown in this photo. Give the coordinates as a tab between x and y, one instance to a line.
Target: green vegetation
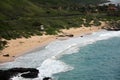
2	44
24	18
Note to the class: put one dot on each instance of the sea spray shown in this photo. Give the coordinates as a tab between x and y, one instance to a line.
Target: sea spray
52	66
47	69
98	61
47	59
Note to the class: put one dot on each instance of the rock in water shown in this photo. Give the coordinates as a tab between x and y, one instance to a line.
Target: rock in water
47	78
26	73
30	75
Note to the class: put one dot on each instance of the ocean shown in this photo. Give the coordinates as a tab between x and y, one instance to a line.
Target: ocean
92	57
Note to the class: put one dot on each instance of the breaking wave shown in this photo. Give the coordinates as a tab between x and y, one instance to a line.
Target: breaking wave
47	60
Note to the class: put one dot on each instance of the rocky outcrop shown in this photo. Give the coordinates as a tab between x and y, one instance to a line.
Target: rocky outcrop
113	29
113	26
70	35
66	35
6	55
47	78
25	72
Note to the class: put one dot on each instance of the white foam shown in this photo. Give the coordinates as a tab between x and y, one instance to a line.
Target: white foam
46	60
48	68
52	66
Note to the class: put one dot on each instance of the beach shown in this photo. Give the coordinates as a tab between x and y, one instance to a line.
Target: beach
21	46
92	55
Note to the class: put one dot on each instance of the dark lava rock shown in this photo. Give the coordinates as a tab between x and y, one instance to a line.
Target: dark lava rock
30	75
70	35
4	75
114	29
47	78
6	55
81	36
26	73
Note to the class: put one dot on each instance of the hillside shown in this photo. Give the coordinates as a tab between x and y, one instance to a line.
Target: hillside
18	8
23	18
12	9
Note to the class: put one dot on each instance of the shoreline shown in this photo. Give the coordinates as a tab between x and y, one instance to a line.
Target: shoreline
23	46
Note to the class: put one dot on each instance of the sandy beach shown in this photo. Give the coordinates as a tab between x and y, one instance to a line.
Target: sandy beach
21	46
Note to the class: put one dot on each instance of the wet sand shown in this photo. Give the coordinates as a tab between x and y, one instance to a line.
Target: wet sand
21	46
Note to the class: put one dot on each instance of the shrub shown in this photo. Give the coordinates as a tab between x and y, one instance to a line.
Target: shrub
2	44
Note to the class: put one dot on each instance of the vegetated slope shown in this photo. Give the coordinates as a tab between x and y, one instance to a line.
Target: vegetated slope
16	17
92	1
22	17
15	8
65	2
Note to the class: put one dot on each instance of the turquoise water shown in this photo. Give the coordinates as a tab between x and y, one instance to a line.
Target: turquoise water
97	61
91	57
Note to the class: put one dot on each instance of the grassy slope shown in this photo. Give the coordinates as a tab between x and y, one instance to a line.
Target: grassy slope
22	8
23	17
15	8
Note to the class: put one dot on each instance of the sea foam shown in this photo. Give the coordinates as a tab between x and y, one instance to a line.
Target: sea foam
47	60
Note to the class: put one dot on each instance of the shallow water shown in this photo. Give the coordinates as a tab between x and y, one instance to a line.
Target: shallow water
79	58
98	61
